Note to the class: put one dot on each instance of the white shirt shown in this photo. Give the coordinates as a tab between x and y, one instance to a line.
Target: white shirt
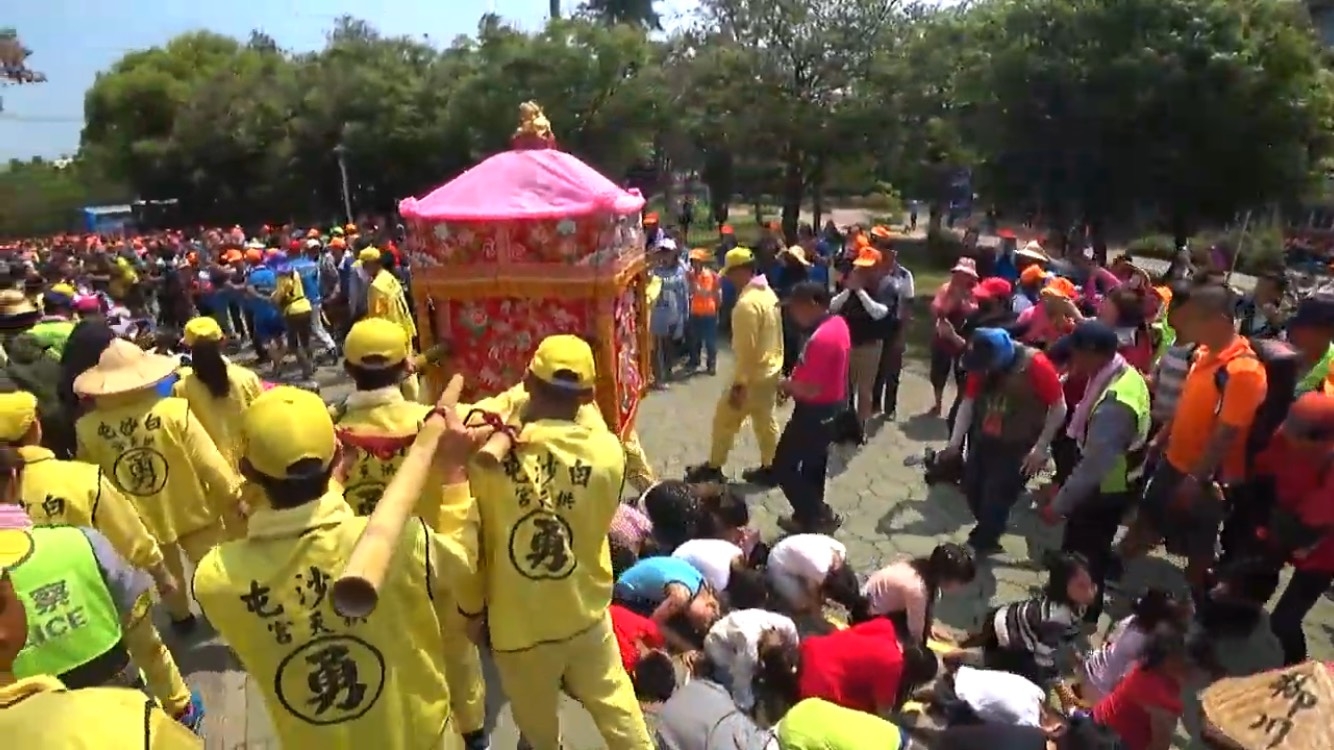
1000	697
1106	666
808	557
732	645
711	557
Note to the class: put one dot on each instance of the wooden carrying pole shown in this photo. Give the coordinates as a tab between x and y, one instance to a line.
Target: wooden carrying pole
357	589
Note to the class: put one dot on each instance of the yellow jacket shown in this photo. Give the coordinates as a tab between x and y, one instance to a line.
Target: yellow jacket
40	712
385	299
331	682
545	570
74	493
290	294
757	335
221	417
155	452
381	425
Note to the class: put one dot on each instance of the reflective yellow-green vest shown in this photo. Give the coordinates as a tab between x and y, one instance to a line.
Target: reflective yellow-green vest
1130	389
71	616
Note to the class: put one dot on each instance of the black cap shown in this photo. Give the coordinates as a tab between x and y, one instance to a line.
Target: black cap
1094	337
809	291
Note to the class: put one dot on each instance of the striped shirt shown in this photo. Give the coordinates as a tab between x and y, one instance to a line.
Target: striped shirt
1169	375
1039	626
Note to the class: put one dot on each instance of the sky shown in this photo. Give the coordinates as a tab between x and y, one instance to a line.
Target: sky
72	40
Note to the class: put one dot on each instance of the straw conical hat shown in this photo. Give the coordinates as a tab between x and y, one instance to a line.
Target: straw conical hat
122	368
1287	709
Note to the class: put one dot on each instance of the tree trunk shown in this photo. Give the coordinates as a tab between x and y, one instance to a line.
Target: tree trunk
555	9
794	188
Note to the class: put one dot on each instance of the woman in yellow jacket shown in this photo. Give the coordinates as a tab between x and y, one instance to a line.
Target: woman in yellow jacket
217	390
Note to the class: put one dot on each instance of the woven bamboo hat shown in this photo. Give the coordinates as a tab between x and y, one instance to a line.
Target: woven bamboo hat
1287	709
123	368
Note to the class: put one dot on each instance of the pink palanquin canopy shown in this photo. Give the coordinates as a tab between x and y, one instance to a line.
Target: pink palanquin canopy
523	184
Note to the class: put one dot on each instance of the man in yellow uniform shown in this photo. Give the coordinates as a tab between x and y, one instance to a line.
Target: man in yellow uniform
55	492
385	299
757	346
332	682
290	297
154	452
378	424
545	574
40	711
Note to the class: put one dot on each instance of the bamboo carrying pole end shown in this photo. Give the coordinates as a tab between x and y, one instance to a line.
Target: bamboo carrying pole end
354	597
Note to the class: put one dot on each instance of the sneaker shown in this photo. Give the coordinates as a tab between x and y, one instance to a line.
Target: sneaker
476	740
185	627
192	717
985	550
711	369
762	476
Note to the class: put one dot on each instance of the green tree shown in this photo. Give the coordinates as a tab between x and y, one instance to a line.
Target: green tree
40	197
639	13
1086	109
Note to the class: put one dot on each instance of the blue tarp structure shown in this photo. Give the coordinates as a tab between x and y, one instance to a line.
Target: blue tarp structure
107	219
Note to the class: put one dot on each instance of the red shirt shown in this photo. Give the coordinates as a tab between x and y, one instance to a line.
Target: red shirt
1124	710
824	361
1041	373
1304	485
858	668
631	629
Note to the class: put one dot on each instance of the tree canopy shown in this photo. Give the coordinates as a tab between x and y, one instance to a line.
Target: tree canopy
1080	111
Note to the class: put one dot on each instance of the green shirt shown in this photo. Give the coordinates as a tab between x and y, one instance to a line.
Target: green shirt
1312	380
816	724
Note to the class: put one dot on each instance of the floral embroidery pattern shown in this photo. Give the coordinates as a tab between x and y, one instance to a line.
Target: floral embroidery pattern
629	379
495	338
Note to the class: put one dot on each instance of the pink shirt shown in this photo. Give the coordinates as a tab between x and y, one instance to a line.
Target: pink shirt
1039	328
897	588
824	361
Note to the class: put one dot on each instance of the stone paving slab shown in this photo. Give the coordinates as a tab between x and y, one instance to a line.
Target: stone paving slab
888	511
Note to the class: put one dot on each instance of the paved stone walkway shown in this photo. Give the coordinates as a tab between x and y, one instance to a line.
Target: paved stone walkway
888	513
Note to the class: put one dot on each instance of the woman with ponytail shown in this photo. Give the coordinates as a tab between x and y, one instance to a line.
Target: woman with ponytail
217	390
906	591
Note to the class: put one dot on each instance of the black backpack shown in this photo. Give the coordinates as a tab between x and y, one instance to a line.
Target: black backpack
36	370
1283	370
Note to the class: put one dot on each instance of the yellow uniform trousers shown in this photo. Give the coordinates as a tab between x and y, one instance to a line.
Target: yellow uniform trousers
463	670
588	668
194	546
759	406
150	655
637	468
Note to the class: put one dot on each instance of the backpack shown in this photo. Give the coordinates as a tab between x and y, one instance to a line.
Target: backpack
1283	370
34	369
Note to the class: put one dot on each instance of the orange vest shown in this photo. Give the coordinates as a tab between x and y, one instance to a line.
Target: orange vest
704	293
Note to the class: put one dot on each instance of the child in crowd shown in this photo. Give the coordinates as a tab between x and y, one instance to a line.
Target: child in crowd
1145	706
1104	667
1025	637
641	644
906	591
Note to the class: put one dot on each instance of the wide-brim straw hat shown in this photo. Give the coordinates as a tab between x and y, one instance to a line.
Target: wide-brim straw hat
1253	712
16	310
123	368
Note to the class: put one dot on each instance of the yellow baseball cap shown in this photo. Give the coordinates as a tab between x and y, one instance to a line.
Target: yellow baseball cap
18	410
284	427
565	361
369	255
66	290
201	329
737	256
376	344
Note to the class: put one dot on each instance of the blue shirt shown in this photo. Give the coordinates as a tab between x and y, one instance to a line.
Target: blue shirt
672	307
309	271
647	580
265	281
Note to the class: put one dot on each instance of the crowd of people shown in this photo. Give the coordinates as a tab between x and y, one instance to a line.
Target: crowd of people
664	613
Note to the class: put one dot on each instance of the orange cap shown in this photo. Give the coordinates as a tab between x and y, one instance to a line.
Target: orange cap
254	255
231	256
727	229
651	217
1060	287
